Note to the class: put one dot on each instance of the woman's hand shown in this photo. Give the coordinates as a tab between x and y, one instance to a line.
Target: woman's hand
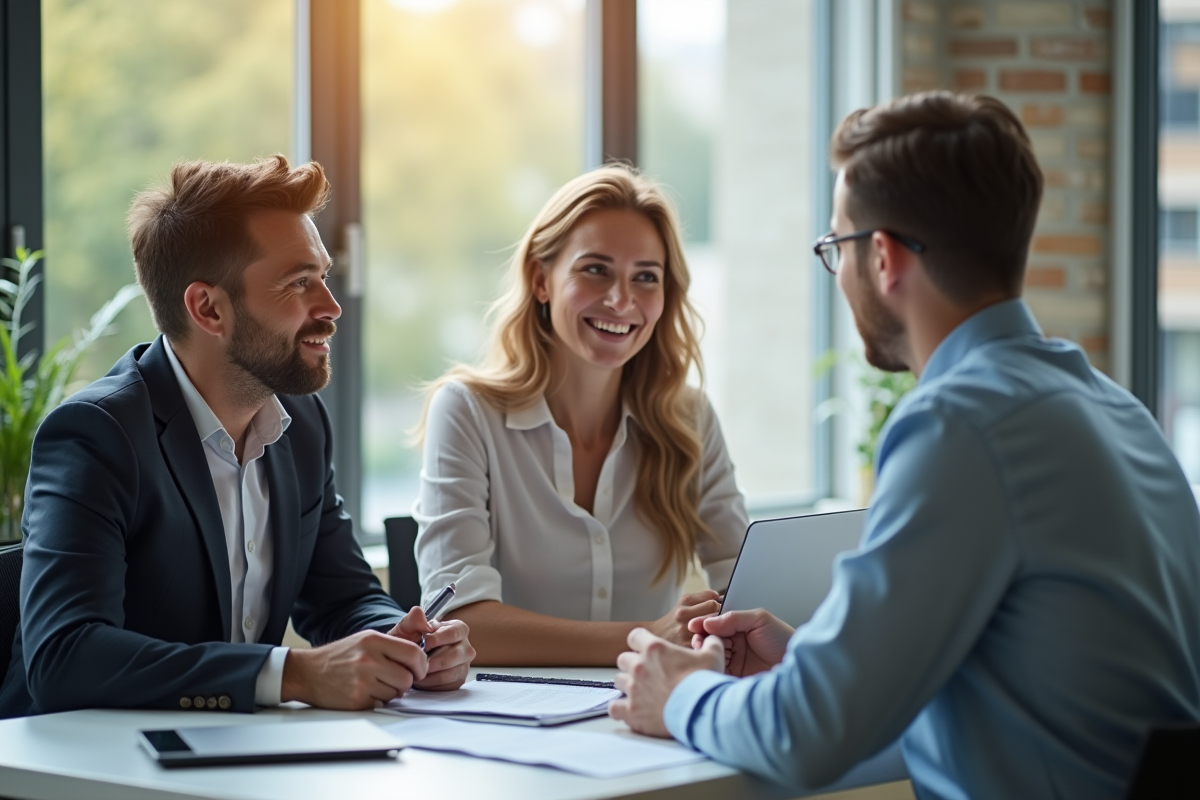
674	626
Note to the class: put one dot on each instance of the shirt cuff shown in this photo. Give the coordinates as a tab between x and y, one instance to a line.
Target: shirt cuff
681	705
269	685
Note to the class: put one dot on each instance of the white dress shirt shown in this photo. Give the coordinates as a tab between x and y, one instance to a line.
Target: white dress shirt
497	515
245	502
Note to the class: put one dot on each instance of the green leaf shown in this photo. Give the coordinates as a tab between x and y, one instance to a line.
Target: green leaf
29	390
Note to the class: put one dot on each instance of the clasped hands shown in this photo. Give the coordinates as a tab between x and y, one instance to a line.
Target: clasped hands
369	668
738	643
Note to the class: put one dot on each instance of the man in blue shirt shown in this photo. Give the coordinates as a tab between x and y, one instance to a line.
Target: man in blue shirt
1024	603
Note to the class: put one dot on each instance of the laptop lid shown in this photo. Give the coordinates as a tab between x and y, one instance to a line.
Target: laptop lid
786	565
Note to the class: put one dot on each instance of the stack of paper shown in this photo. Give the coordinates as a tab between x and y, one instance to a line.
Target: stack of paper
597	755
515	703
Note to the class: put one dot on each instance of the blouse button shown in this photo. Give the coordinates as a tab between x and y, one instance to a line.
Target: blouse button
602	593
600	538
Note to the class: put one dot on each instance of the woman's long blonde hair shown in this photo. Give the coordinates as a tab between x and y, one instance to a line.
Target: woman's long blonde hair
515	370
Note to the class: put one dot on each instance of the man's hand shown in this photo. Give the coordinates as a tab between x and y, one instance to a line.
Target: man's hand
357	673
754	641
450	653
651	672
674	626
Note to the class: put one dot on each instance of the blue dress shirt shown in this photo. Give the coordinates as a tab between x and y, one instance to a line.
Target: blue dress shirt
1024	603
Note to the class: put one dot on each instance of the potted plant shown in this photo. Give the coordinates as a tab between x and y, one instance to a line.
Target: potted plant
883	391
31	387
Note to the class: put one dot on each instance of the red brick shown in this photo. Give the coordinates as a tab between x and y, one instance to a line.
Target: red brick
1045	277
968	79
1095	82
924	13
1032	80
1068	48
920	78
1096	343
1046	116
1068	244
1094	213
982	48
1098	18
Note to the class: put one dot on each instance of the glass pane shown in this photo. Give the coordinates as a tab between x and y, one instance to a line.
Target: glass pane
726	106
472	117
130	88
1179	230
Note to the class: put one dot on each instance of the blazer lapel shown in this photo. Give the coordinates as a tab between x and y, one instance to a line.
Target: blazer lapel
284	519
184	454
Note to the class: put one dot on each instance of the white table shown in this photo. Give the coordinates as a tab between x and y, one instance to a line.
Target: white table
93	754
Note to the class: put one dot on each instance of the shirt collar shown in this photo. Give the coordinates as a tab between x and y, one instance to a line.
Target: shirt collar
1010	318
270	422
538	414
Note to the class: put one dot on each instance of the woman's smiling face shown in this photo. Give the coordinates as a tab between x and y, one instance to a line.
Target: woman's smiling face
605	288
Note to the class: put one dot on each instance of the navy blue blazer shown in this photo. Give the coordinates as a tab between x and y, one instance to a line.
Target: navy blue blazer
125	594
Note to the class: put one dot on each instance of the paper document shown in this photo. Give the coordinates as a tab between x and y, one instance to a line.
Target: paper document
520	703
597	755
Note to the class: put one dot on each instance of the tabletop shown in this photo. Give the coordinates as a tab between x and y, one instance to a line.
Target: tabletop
94	754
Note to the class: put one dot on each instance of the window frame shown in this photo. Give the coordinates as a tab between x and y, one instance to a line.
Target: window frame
22	203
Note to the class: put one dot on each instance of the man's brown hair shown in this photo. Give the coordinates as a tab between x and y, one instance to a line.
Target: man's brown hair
195	229
956	173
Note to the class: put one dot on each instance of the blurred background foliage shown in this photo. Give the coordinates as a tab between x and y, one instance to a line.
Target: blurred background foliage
131	87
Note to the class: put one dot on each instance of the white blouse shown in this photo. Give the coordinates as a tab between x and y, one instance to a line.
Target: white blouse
497	515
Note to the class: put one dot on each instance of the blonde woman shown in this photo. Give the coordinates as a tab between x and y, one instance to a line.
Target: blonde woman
571	477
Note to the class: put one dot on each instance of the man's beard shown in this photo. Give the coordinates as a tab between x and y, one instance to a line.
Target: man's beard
882	331
273	363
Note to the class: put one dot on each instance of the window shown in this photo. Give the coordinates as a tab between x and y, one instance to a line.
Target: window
472	116
1179	232
127	93
1181	108
1179	60
726	113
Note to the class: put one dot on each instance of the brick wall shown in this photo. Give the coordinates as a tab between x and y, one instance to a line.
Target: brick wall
1050	62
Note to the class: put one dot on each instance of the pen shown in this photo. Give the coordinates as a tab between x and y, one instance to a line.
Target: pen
492	676
436	607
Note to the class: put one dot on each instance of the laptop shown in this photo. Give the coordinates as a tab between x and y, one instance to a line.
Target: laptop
786	565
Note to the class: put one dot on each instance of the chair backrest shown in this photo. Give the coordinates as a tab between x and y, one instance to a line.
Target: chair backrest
404	583
1168	766
10	601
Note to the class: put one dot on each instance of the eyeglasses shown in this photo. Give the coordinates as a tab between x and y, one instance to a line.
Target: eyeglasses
828	251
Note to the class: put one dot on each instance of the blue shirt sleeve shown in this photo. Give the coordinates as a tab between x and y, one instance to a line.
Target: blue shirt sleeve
903	612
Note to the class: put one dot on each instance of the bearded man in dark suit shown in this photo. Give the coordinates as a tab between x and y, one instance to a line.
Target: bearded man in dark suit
182	508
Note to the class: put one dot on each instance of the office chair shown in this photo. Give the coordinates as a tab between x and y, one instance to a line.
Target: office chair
10	601
1168	767
404	583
